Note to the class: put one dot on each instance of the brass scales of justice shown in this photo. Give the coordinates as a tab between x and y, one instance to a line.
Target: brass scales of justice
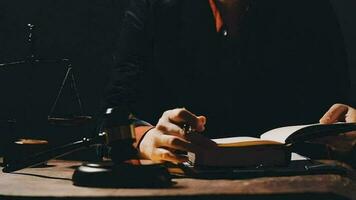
32	60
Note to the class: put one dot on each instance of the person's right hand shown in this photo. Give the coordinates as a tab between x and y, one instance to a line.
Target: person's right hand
161	143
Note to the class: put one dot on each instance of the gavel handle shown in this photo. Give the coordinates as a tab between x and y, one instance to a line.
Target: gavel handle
44	156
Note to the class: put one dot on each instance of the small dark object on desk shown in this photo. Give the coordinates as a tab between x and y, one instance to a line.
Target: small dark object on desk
19	150
124	175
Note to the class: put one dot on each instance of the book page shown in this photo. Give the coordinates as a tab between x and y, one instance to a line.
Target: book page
305	132
296	156
230	140
281	134
242	141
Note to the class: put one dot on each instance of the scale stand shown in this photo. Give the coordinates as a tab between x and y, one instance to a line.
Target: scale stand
32	60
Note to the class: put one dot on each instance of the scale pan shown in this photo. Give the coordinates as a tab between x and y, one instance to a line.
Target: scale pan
70	121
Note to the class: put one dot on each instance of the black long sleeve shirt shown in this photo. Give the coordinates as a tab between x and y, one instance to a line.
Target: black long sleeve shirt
287	66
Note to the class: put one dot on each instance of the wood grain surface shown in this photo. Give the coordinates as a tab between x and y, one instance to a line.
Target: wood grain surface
55	181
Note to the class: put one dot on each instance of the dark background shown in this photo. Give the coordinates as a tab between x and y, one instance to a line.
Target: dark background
85	32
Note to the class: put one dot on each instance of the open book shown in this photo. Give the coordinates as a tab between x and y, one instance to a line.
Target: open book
273	148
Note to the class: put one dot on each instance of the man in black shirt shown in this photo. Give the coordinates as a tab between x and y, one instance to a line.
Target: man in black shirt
246	65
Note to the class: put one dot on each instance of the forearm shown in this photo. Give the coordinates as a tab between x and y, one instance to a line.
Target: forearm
130	56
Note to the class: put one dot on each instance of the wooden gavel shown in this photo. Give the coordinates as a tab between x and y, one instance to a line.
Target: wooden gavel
116	131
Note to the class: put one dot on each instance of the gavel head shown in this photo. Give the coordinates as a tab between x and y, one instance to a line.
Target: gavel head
118	127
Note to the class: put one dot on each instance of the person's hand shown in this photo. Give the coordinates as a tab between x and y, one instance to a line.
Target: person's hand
338	113
163	141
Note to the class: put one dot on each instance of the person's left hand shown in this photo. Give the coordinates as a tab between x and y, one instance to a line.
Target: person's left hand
339	113
342	145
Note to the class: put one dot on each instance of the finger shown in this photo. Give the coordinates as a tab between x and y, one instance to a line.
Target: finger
167	127
202	119
162	154
351	115
176	143
176	152
201	123
335	113
182	116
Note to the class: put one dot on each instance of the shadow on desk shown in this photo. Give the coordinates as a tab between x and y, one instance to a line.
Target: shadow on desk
295	168
42	176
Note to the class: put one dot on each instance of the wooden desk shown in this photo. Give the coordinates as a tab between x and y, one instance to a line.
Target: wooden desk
55	182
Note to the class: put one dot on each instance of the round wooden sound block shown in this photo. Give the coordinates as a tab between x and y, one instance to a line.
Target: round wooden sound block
124	175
